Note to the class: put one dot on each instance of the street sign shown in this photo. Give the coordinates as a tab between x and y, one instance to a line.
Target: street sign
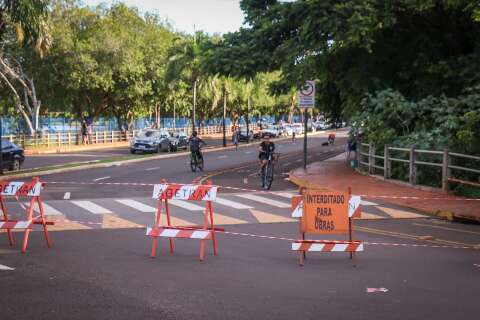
325	212
306	95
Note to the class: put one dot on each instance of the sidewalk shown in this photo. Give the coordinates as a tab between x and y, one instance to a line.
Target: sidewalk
335	174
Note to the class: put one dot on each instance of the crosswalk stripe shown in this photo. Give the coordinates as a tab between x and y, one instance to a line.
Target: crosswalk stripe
220	219
265	217
368	203
91	207
49	210
232	204
186	205
136	205
368	216
400	214
6	268
264	200
284	195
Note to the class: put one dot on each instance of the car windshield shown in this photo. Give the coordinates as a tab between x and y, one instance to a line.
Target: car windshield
147	134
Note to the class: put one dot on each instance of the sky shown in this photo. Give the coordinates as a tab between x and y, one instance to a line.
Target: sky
211	16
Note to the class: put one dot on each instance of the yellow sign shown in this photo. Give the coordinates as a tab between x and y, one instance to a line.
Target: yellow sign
325	212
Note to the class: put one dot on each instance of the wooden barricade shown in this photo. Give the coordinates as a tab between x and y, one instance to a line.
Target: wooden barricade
23	189
326	212
165	192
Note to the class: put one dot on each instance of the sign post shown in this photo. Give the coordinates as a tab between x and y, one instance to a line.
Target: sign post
306	99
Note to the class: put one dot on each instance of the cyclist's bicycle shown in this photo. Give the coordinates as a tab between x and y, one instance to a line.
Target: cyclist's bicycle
268	170
196	162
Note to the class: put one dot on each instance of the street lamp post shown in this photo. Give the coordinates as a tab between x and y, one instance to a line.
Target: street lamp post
247	120
1	147
224	115
194	102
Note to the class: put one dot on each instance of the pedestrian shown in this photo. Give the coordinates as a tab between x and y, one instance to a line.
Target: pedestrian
293	136
236	138
84	132
89	131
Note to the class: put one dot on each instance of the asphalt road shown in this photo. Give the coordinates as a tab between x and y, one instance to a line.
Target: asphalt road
99	266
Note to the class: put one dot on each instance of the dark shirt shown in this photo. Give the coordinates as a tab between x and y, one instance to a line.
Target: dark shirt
267	147
195	143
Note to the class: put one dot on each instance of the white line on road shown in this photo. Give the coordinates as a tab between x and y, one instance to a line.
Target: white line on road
151	169
264	200
91	207
5	268
222	157
102	178
66	196
286	164
186	205
48	210
299	160
248	152
136	205
232	204
284	194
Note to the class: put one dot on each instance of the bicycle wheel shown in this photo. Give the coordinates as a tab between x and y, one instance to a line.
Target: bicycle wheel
193	163
200	164
262	176
269	176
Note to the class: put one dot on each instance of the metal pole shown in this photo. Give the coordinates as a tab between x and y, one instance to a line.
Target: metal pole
305	112
194	103
174	115
224	115
247	120
1	147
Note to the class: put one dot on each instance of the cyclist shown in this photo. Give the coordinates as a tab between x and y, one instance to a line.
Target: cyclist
195	144
265	149
331	138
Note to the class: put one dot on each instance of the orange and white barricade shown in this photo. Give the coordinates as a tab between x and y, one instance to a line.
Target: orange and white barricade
190	192
325	212
23	189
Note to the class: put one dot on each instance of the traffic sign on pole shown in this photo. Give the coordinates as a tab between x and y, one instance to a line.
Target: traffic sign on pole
306	95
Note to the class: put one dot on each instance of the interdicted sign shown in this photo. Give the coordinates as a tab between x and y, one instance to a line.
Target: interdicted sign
306	95
17	188
325	212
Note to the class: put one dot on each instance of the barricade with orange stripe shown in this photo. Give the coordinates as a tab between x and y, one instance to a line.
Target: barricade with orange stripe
322	212
30	190
168	191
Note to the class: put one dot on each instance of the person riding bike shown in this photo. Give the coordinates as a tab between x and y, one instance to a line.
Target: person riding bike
195	144
265	149
331	138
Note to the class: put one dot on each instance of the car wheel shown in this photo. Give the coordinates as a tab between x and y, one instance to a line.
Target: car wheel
164	146
132	151
15	165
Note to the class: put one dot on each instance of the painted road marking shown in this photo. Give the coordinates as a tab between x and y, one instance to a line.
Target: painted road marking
298	160
231	204
286	164
284	195
151	169
91	207
136	205
445	228
5	268
265	217
222	157
248	152
264	200
186	205
48	210
368	203
400	214
66	196
102	178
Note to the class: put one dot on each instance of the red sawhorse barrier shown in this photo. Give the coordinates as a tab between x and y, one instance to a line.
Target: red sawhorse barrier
29	190
165	192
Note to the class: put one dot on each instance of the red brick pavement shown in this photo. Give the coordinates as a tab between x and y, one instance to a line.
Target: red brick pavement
337	175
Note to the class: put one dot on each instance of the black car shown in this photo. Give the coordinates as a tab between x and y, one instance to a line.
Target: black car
12	156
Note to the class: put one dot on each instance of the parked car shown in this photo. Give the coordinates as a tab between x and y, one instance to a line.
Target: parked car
272	131
151	140
243	135
180	140
12	156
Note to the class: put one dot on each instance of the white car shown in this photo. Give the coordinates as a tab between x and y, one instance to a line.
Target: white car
271	131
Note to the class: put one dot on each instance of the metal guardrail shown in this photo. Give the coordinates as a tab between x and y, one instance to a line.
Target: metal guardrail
368	159
65	139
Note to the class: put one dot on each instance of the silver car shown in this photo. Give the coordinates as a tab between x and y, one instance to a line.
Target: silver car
151	140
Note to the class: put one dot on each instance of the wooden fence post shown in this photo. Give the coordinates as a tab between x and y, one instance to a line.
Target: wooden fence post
59	139
113	136
445	171
371	159
386	162
412	172
48	139
96	137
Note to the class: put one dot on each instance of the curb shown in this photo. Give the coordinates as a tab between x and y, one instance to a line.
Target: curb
444	215
30	152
